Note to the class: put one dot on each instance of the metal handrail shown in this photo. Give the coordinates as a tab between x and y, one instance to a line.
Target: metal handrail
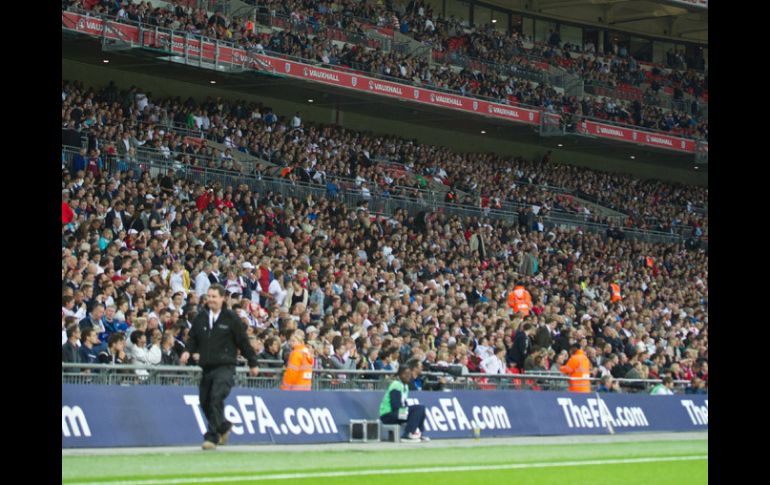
318	28
370	74
191	373
377	202
252	165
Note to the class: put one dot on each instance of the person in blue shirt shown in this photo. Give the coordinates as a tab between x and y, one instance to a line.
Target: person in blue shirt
79	162
697	386
111	323
608	385
105	240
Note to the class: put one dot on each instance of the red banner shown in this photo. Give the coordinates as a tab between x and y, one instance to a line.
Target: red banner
213	52
640	137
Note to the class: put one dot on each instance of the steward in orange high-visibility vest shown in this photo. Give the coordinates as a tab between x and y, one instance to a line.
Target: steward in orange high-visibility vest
299	371
615	292
649	262
520	300
578	367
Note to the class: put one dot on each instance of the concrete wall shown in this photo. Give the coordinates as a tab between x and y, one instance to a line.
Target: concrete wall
462	142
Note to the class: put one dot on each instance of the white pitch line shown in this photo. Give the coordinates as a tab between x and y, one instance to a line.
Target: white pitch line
400	471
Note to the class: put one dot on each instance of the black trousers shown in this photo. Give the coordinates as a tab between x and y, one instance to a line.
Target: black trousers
414	420
214	389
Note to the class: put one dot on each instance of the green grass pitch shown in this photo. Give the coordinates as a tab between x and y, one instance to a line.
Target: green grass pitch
628	463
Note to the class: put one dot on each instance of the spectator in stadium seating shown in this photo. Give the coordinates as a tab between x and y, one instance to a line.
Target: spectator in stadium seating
277	292
495	363
111	323
272	348
622	367
168	355
544	334
697	386
89	346
518	353
139	354
560	360
339	360
608	384
70	352
114	353
665	388
396	302
94	320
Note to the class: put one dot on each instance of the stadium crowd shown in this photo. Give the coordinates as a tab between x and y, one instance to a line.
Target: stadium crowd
506	88
120	122
366	291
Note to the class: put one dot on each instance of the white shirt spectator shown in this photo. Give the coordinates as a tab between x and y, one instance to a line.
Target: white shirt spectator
81	313
484	351
142	356
492	365
234	286
202	283
278	293
141	101
177	283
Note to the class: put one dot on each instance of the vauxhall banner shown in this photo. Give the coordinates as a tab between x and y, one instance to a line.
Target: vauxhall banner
107	416
625	133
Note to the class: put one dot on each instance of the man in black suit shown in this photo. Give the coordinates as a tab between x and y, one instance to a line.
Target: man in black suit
213	339
519	351
544	334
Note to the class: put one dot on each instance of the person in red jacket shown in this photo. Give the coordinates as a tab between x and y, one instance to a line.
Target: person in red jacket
204	199
67	214
264	282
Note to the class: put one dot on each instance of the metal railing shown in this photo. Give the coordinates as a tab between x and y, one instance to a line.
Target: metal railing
337	379
376	201
516	70
367	38
661	100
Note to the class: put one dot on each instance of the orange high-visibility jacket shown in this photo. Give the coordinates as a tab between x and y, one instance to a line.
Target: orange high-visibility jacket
615	292
650	262
520	300
578	367
299	370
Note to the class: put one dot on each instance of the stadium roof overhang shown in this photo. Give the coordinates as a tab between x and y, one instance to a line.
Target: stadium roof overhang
676	20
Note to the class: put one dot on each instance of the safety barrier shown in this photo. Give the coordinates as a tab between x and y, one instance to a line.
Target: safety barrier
152	415
270	377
